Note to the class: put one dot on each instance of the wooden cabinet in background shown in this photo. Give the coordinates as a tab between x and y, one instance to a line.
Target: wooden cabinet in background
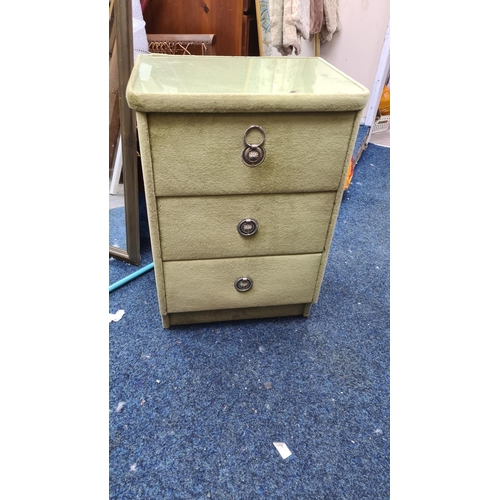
232	21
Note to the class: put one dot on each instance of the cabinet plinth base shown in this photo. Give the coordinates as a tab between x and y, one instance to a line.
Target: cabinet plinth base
186	318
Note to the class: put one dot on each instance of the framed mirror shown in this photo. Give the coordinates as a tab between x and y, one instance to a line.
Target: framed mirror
124	237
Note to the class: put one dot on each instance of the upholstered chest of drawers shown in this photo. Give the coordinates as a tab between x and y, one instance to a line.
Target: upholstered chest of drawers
244	162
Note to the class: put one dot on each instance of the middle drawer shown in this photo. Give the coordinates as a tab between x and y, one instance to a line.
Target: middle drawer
205	227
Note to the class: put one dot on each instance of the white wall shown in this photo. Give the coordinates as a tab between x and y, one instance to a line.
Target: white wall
356	48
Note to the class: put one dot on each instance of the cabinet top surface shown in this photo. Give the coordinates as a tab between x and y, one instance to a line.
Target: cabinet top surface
224	84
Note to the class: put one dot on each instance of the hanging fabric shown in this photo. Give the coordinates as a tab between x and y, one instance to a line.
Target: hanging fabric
284	35
294	20
331	21
316	14
301	16
291	35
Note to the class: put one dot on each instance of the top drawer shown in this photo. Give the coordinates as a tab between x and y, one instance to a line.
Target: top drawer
201	153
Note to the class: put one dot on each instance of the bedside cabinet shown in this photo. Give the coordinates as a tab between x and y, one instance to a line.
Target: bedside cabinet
244	162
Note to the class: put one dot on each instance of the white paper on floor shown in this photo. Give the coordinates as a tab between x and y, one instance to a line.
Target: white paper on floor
120	406
283	450
117	316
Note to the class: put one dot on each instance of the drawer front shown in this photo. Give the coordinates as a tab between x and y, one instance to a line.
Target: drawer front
196	154
206	227
203	285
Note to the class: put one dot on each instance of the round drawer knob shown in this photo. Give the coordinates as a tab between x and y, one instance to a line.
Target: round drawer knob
247	227
253	155
243	284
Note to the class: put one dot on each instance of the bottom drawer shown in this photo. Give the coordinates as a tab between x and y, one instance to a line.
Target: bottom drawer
203	285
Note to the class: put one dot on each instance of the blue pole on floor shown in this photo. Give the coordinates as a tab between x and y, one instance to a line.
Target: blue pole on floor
130	277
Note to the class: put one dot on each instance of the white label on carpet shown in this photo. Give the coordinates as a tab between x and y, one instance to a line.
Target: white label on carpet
283	449
117	316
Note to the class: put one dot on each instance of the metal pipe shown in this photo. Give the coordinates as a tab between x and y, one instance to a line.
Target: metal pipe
130	277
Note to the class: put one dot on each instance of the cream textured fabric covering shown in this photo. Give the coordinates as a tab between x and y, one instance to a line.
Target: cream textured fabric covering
293	20
301	16
331	20
276	11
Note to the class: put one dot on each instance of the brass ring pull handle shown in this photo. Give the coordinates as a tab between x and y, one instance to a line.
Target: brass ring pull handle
253	154
243	284
247	227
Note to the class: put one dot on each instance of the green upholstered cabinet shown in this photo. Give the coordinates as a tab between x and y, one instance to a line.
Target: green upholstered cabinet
244	162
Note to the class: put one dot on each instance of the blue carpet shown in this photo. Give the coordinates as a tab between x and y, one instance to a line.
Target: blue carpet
194	410
360	143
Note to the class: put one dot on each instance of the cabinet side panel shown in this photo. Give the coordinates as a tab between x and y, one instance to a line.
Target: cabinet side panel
154	226
336	207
